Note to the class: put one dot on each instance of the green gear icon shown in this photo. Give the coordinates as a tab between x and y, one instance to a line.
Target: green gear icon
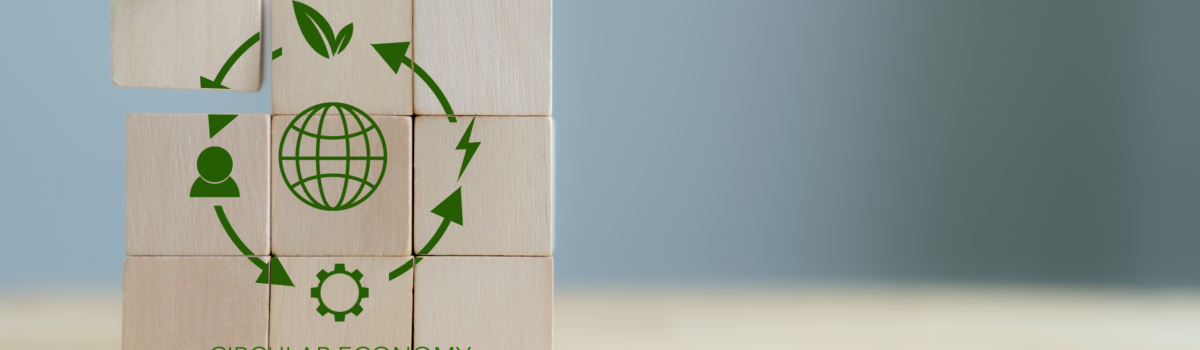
363	292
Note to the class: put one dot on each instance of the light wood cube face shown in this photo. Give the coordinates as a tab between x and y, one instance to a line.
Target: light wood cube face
501	303
171	44
354	74
507	187
382	317
490	57
193	303
335	191
162	171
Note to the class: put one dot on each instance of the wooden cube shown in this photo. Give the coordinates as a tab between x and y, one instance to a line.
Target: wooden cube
496	303
507	187
193	303
176	44
324	309
320	211
489	57
170	209
311	72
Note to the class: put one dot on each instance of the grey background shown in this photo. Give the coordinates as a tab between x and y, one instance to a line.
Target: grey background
748	141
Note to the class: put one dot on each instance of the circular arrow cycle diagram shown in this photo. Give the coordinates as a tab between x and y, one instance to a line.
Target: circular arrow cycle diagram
320	36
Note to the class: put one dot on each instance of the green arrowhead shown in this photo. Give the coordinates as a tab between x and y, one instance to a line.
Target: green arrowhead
451	208
209	84
277	275
272	273
216	122
264	277
393	54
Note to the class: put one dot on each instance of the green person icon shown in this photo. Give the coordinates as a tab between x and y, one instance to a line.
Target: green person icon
214	165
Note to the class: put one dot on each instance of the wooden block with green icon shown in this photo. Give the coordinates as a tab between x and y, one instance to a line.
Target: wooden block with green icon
502	169
342	183
342	301
325	51
189	175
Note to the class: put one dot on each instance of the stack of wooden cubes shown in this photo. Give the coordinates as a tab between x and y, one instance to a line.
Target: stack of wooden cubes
486	282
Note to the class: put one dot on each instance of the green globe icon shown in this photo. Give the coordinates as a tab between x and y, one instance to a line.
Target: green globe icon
332	156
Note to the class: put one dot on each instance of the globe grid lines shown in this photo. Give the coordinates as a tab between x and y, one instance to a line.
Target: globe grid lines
321	199
332	158
320	184
325	137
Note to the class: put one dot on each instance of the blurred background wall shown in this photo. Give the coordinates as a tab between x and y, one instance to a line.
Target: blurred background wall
742	141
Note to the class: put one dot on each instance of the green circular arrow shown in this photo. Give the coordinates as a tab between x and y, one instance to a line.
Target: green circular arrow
395	55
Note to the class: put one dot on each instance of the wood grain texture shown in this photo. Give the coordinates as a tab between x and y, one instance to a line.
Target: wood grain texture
357	76
193	303
495	303
386	319
160	167
379	226
170	44
507	188
490	57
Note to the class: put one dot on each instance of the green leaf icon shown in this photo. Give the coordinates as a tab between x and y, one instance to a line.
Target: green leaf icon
318	33
343	37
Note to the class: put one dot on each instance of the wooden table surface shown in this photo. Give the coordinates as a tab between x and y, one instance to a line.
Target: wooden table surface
760	318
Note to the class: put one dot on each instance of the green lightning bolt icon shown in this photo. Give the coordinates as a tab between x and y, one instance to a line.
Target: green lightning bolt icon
470	147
